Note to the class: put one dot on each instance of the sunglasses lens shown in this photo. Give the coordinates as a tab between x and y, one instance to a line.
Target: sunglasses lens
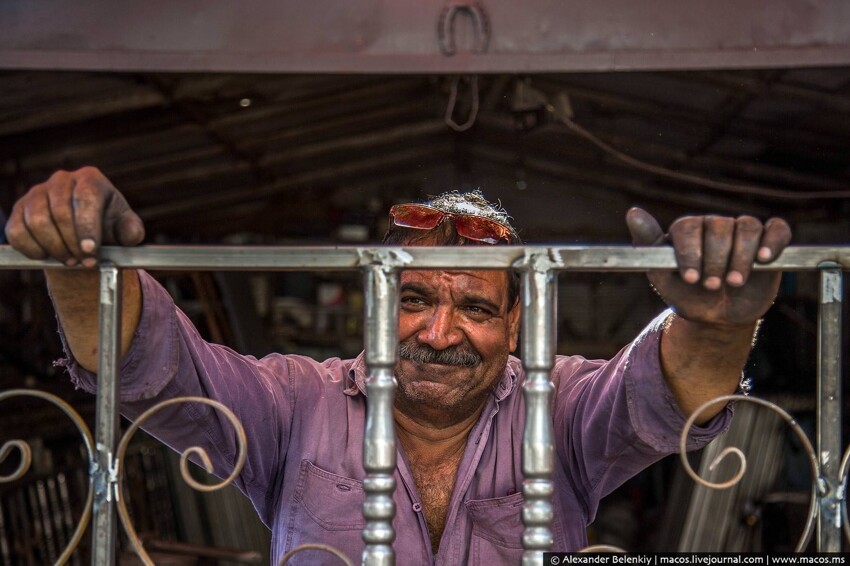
423	217
415	216
481	229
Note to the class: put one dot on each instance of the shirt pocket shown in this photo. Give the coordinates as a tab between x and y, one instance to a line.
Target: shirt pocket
329	510
496	530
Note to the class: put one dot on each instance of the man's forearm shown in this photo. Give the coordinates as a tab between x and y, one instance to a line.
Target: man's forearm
76	295
703	361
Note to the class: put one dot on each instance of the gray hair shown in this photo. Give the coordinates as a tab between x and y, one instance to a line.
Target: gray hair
472	202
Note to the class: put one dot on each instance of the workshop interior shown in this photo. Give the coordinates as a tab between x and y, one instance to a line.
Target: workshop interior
286	124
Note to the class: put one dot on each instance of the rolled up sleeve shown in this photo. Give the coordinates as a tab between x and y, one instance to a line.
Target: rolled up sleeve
614	418
151	362
655	415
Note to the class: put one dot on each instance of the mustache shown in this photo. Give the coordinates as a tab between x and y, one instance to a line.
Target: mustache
462	355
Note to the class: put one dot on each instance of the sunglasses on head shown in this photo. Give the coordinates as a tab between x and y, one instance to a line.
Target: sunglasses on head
470	226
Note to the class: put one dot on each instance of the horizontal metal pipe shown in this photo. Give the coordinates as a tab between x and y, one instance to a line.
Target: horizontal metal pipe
290	258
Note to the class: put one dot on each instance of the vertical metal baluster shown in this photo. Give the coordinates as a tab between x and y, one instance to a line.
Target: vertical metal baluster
829	406
539	314
379	444
104	537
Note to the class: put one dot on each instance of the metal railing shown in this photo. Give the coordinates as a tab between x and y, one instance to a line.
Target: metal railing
381	267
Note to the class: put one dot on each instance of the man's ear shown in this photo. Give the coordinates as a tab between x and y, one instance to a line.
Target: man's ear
514	320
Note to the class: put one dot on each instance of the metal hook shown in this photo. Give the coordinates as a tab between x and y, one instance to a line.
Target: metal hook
446	25
450	108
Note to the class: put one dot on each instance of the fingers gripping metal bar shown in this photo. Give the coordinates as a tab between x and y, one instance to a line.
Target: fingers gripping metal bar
380	269
829	407
104	536
539	315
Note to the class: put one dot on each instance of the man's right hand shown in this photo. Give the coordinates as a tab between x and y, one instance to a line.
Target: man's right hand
70	216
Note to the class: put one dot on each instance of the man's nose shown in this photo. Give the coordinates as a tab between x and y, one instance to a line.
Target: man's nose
440	332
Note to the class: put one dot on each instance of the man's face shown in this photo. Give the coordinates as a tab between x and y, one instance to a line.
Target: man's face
456	330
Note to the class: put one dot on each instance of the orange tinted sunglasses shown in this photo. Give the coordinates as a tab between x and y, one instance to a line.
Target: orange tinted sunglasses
471	226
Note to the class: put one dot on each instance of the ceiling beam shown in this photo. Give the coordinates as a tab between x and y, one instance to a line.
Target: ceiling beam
369	36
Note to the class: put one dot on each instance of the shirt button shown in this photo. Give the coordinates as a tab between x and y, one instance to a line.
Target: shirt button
417	507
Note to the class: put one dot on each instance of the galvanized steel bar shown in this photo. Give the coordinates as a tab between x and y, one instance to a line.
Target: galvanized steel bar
379	443
829	407
539	316
284	258
105	519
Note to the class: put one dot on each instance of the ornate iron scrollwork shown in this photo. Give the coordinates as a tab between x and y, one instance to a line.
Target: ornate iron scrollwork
138	547
26	459
314	546
742	459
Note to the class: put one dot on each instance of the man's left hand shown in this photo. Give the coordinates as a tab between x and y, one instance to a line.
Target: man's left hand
715	283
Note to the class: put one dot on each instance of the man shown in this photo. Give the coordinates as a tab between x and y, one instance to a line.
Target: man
459	412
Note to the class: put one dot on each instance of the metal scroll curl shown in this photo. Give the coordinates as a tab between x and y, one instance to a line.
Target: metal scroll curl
603	548
311	546
842	478
742	459
26	460
184	463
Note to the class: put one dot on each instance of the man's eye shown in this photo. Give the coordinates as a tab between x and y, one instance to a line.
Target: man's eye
479	311
412	301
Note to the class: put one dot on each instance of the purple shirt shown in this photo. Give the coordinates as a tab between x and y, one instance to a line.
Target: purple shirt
305	419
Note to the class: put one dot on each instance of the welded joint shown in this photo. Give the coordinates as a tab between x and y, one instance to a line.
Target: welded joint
831	289
382	262
109	282
539	260
105	478
112	478
388	259
831	496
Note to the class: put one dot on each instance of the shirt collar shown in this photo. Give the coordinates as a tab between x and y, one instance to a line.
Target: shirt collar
357	376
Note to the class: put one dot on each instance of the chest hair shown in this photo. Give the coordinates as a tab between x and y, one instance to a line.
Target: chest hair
435	484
